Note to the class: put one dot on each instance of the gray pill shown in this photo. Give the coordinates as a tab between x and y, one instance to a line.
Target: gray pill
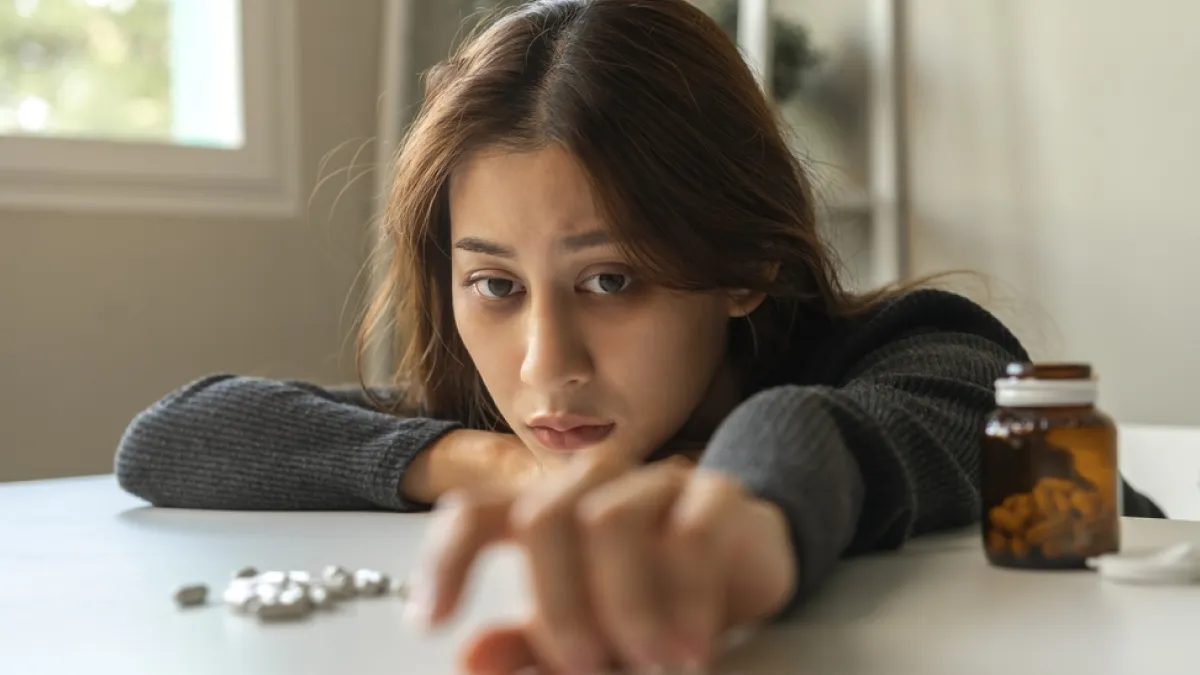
190	596
274	611
246	573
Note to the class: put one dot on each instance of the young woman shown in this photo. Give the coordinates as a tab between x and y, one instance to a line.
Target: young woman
606	254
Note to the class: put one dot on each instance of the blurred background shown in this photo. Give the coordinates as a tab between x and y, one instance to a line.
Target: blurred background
189	186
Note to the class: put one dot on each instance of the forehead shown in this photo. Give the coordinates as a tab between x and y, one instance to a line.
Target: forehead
541	193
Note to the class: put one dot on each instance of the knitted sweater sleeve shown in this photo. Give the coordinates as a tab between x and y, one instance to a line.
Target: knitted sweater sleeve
229	442
890	452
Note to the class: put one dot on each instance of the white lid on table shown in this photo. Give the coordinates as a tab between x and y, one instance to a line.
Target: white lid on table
1176	564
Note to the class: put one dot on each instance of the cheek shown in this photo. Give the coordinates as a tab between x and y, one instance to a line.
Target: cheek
665	358
488	341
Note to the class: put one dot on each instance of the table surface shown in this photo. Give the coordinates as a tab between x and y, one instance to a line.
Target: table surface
88	574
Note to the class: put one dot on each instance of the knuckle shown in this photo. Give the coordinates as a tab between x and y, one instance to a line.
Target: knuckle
692	534
601	514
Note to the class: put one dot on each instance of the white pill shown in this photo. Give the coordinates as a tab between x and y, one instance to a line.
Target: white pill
300	577
339	586
246	573
320	596
272	577
267	593
240	595
190	596
332	571
368	582
294	595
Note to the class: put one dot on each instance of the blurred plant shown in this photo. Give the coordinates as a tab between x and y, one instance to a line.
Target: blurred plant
84	68
793	53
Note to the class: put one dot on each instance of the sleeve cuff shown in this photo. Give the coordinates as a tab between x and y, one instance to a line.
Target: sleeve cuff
396	452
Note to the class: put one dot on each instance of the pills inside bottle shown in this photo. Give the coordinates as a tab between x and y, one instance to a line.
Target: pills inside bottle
1050	479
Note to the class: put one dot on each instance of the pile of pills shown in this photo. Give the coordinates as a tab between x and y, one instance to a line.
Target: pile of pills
274	595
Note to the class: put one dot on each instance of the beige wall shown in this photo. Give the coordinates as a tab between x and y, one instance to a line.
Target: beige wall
1054	147
102	314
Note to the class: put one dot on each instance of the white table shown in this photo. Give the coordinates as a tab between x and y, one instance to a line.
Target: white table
86	575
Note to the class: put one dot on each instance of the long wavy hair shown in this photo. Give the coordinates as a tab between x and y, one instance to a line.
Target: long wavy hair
686	156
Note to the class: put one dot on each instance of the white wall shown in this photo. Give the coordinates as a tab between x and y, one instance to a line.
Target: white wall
1055	146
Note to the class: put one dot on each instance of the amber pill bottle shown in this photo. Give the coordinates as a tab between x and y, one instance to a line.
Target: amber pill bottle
1050	481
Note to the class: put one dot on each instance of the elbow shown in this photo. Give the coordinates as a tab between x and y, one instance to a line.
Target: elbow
153	449
137	454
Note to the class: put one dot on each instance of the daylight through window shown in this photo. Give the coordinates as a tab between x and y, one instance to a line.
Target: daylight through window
140	71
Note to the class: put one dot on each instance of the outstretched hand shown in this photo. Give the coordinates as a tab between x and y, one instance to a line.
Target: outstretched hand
641	566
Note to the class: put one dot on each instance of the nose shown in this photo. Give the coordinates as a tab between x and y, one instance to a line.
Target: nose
556	355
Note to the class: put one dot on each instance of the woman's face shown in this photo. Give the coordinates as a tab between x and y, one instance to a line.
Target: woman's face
574	348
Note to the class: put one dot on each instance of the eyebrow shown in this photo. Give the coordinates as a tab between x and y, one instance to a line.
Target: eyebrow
575	242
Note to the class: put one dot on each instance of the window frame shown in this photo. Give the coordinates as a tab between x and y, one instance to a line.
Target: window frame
259	179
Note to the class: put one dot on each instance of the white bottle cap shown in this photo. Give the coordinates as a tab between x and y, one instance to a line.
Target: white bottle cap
1174	565
1013	392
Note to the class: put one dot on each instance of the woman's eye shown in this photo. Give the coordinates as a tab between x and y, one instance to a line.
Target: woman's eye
496	287
607	284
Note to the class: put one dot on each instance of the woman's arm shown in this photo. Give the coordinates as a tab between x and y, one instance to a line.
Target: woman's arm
229	442
891	453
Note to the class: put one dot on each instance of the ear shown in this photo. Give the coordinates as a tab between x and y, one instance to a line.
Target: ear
743	302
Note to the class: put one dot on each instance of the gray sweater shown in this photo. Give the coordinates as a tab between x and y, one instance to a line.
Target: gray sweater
866	436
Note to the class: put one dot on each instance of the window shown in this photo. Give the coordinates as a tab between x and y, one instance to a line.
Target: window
135	105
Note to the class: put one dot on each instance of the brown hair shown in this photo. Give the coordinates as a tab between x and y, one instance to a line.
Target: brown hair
686	156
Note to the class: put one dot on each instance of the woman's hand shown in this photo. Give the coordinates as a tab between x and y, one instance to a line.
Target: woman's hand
474	461
643	566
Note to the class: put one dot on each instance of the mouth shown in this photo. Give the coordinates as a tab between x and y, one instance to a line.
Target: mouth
568	433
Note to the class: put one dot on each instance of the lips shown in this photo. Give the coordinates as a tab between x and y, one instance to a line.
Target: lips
567	433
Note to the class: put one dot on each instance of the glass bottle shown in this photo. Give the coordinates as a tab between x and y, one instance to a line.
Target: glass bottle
1050	480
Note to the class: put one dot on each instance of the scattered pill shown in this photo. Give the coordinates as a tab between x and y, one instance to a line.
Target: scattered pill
294	595
190	596
369	582
278	595
299	577
332	571
277	610
340	587
320	596
240	595
272	577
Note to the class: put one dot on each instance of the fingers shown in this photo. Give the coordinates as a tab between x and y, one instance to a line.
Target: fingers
699	535
564	632
462	529
619	522
503	650
629	564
